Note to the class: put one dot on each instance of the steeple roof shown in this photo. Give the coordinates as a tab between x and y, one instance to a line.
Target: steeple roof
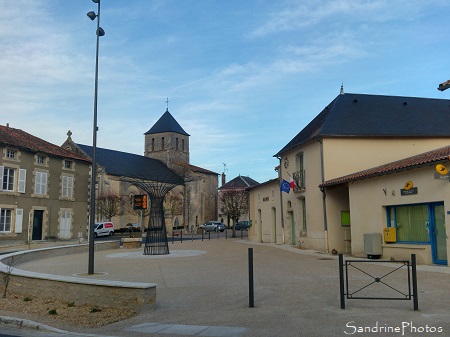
167	124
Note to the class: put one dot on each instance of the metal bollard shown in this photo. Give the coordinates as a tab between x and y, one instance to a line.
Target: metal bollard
251	291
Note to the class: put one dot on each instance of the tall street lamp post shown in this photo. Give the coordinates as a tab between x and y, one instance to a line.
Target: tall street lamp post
100	32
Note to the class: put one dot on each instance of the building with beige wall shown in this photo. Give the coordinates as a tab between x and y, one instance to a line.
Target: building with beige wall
409	198
43	189
354	132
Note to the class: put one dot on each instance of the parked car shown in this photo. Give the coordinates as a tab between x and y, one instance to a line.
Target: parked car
211	226
241	225
103	228
133	227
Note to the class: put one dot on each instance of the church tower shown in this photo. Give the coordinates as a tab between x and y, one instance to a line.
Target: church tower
167	141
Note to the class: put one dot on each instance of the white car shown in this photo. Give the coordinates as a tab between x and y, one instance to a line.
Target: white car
103	228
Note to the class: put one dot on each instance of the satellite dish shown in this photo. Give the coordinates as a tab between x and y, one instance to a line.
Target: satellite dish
441	169
408	185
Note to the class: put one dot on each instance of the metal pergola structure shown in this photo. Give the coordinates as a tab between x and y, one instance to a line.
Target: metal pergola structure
156	242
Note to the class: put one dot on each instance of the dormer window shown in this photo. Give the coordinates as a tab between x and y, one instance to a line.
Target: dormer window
11	154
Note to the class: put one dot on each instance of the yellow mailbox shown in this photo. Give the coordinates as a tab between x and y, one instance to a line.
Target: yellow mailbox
390	234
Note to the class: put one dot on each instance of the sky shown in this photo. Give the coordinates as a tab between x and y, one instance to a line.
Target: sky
241	77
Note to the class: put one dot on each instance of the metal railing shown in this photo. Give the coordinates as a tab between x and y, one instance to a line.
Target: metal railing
299	178
365	285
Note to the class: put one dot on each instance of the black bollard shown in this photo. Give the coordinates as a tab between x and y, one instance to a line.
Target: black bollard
251	292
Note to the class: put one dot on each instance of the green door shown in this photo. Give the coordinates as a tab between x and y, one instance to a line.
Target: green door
438	235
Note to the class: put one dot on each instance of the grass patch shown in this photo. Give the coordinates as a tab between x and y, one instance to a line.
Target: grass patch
95	309
53	312
27	299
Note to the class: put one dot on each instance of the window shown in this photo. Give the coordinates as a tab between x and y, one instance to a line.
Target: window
162	143
40	160
67	164
153	144
8	179
304	227
67	187
299	175
5	220
40	183
182	145
177	143
10	154
410	221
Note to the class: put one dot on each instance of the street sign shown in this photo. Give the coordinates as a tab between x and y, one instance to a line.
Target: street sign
140	201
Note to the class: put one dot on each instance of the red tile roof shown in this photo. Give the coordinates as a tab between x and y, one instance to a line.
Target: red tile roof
24	141
425	159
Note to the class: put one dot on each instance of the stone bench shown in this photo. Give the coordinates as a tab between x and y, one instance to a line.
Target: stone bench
131	243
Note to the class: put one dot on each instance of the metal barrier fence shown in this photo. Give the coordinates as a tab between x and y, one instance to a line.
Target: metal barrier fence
364	284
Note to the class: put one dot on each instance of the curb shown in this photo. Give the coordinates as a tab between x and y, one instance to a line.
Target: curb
25	323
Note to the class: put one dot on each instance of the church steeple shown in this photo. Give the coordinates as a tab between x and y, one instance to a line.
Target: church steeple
167	141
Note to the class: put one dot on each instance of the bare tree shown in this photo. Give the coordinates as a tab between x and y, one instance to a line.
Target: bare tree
174	203
109	204
234	204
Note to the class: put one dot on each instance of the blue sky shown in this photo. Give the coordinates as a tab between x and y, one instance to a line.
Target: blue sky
242	77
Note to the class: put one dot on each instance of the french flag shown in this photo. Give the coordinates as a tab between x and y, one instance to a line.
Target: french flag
292	183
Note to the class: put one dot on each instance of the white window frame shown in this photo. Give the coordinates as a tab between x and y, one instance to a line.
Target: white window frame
11	154
40	183
67	186
3	218
9	178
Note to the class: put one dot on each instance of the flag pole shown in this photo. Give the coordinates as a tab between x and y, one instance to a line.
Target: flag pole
280	181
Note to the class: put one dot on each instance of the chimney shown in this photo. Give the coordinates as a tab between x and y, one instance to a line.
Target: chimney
223	178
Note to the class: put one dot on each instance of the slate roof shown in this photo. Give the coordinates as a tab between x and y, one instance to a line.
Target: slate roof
131	165
24	141
361	115
268	182
424	159
197	169
166	123
240	182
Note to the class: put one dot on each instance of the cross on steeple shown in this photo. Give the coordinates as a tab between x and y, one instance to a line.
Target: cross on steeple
167	104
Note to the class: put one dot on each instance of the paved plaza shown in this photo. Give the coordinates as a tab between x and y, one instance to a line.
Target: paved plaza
203	290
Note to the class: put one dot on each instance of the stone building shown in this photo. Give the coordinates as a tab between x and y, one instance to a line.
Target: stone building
166	151
43	189
168	142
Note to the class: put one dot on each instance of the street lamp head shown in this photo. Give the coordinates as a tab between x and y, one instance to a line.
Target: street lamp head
91	15
100	31
96	1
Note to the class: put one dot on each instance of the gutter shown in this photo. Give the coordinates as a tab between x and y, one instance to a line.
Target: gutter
324	195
